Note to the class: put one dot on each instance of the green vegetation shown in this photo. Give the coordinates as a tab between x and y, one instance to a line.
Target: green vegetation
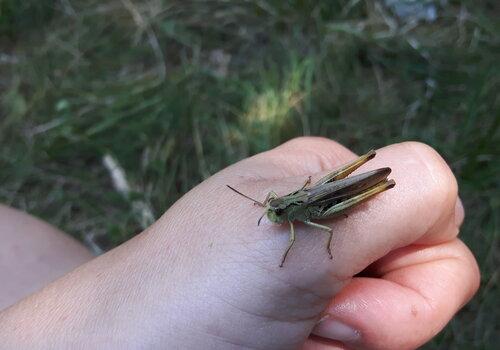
176	90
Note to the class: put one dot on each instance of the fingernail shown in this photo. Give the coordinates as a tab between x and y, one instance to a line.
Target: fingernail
459	212
331	328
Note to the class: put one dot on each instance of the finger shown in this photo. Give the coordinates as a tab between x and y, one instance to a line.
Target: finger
318	343
310	155
420	289
459	212
301	156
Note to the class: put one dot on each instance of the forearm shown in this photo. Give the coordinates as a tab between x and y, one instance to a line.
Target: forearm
160	289
110	301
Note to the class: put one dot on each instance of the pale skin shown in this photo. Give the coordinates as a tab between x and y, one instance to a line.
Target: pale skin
204	276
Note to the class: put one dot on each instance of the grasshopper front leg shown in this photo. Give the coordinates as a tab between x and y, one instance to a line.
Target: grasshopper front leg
270	195
330	235
291	241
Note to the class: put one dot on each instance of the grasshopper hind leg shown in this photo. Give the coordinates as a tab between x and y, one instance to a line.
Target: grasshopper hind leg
345	170
307	183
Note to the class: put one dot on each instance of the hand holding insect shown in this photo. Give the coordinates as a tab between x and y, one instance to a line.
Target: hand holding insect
328	197
202	277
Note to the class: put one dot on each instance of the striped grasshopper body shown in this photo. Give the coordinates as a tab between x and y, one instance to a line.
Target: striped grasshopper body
330	196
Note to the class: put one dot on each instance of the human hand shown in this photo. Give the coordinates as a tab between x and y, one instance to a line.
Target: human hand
416	274
204	276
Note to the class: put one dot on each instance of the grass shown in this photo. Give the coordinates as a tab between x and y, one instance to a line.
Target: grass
173	91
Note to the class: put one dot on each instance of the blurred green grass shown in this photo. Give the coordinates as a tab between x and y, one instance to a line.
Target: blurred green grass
176	90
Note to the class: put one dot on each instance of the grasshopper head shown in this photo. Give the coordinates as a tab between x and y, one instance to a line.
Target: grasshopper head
273	216
275	211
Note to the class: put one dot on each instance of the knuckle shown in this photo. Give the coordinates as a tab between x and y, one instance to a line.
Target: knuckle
321	151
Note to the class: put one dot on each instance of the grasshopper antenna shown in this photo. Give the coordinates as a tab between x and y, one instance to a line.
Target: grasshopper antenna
247	197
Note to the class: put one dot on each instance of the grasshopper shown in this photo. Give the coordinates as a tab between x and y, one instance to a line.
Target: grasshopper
330	196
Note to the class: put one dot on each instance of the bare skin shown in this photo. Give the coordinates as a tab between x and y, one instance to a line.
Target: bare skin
32	254
205	276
